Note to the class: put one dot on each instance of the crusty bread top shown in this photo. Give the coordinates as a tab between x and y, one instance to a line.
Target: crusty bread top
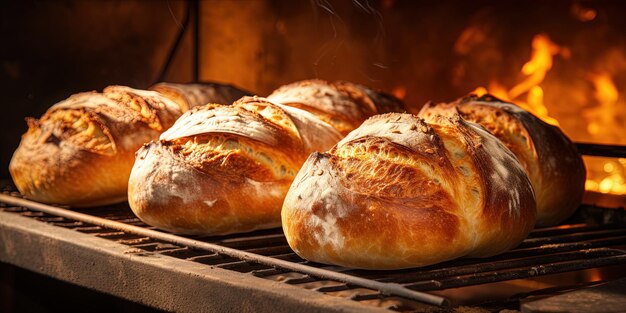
551	160
81	151
272	134
383	102
343	105
398	192
105	122
191	95
430	141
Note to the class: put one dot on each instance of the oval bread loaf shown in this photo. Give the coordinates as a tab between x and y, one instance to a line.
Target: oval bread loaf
552	162
80	153
226	169
190	95
398	193
343	105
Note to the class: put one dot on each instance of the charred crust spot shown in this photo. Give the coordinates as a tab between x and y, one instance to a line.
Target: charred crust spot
317	208
53	139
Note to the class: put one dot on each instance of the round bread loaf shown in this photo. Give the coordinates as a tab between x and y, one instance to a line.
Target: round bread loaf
343	105
190	95
81	151
399	193
552	162
225	169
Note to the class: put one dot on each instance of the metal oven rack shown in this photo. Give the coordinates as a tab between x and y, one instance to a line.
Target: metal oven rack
110	250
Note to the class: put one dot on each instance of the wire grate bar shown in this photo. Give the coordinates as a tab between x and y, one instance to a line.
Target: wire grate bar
299	280
570	229
266	254
546	269
533	242
613	151
500	265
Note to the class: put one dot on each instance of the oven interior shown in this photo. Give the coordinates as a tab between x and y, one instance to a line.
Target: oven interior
565	61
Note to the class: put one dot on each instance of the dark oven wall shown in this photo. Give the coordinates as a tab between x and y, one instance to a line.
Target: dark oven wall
52	49
417	50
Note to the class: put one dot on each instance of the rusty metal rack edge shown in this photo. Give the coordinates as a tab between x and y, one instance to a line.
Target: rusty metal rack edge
384	288
405	288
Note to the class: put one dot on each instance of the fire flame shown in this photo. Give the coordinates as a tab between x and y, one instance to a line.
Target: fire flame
603	176
535	70
606	94
610	179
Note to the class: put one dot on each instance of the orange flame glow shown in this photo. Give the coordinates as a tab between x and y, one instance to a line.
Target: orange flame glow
601	120
610	180
535	70
606	94
611	177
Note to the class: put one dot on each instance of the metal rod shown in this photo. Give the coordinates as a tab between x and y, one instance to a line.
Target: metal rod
179	38
540	270
613	151
577	237
448	272
385	288
196	40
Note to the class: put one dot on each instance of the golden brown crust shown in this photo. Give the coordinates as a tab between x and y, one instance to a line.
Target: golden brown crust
342	104
399	193
167	192
188	96
81	151
554	166
382	101
241	159
238	160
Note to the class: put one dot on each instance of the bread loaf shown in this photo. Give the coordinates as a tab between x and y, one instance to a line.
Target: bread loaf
341	104
81	151
554	166
398	192
190	95
226	169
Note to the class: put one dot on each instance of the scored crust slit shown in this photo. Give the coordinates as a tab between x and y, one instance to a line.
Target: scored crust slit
398	192
552	162
226	169
81	151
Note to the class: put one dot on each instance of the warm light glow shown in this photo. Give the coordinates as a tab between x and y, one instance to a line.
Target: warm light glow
535	70
593	128
591	185
399	92
583	14
606	185
480	91
600	117
611	181
499	91
613	184
540	63
610	177
606	92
